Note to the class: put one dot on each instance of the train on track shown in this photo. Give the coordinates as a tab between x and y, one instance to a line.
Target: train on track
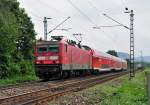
61	58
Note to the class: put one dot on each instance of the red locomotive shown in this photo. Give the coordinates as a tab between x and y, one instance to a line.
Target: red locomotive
61	58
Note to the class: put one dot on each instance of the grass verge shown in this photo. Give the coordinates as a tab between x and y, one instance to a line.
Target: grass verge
17	79
120	91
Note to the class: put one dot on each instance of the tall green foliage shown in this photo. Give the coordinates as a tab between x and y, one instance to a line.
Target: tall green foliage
17	36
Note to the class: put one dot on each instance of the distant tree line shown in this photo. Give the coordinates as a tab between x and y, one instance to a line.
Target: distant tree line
17	36
112	52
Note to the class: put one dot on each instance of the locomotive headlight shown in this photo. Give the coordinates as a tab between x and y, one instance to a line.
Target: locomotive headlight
54	57
41	58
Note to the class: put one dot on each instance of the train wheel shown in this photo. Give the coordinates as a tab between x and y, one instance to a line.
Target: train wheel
60	74
77	73
68	74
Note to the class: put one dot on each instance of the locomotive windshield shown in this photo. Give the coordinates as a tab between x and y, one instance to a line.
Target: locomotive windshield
42	49
53	48
48	48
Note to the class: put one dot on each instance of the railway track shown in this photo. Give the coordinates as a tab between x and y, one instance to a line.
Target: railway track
19	85
41	97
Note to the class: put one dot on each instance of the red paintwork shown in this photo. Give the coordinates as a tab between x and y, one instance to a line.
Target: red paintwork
75	55
46	55
105	61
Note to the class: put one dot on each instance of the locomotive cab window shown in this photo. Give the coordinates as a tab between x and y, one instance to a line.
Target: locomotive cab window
53	48
48	48
42	49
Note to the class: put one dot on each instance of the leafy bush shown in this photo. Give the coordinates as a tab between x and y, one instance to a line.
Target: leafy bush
17	36
26	67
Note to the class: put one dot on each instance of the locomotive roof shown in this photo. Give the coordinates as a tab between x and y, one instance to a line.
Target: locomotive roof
45	42
86	47
65	41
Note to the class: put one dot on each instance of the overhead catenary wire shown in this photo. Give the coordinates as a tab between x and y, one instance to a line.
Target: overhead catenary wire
71	32
78	11
90	20
115	21
35	15
132	72
73	5
59	24
104	14
40	18
100	12
93	6
106	26
49	6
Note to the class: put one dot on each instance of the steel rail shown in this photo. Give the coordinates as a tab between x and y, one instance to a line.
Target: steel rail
55	91
90	83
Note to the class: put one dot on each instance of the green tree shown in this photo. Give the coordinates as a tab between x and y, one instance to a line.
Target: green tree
8	36
17	36
26	31
112	52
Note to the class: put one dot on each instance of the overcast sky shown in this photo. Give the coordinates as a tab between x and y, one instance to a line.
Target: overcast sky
90	15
